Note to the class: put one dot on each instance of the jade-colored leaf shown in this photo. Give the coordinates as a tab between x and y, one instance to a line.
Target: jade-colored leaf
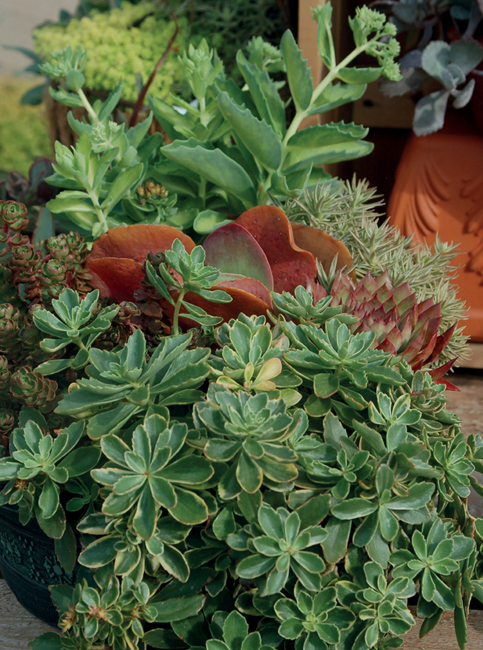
144	521
121	186
353	508
264	93
359	75
80	461
443	596
224	524
310	561
214	166
300	158
99	553
66	549
324	34
174	562
325	385
291	628
335	544
254	566
248	473
314	510
298	72
49	499
208	221
235	630
267	546
388	524
311	581
418	496
337	95
177	609
257	136
189	470
326	135
190	509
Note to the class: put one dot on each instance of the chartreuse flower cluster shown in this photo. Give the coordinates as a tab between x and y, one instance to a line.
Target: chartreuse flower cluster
128	38
214	513
230	149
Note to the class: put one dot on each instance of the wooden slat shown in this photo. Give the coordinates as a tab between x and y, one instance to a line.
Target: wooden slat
17	626
443	636
476	356
307	41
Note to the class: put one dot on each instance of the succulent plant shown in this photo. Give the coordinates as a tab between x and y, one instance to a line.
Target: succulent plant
33	191
282	550
108	612
247	433
401	325
446	52
377	247
74	322
139	30
234	271
230	150
122	384
33	389
45	463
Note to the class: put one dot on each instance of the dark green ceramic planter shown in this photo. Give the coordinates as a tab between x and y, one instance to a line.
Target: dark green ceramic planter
29	564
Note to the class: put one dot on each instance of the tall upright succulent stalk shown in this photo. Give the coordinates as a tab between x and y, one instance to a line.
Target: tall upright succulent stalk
231	149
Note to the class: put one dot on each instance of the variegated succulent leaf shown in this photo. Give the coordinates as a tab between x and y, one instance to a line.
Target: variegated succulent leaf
123	385
75	321
250	433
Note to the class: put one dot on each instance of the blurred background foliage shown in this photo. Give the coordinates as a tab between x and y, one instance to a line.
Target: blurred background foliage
23	129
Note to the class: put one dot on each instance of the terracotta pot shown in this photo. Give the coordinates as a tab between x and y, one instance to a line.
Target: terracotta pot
477	102
439	190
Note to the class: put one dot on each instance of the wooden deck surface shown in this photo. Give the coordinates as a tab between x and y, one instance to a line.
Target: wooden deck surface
18	627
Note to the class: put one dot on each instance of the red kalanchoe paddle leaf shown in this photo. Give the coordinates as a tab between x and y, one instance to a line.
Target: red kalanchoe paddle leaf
323	247
115	261
116	278
290	264
136	241
232	249
248	285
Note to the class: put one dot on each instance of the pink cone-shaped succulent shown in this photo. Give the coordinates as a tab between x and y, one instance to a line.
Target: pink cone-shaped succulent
402	325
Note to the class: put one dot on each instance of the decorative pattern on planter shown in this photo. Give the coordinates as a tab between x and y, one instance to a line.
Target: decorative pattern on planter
438	192
29	564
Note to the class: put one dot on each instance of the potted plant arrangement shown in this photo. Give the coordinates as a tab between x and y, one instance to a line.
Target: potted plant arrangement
432	196
234	434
